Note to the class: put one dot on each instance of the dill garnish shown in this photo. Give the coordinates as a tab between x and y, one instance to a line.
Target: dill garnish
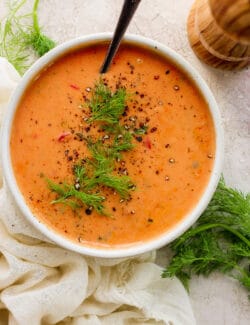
105	105
36	39
99	169
122	139
220	240
122	142
68	195
20	34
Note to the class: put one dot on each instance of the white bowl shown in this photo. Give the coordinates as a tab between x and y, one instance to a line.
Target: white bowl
134	249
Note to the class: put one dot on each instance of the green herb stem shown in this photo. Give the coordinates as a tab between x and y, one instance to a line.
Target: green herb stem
199	229
35	18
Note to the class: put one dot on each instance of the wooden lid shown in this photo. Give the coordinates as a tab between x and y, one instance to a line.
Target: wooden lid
233	16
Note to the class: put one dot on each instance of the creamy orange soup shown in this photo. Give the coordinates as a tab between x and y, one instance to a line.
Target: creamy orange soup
170	165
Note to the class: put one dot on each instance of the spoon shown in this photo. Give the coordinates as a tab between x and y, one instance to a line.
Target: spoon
128	10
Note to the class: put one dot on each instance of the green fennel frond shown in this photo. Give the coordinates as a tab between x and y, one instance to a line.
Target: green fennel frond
68	195
40	43
102	155
20	36
103	165
105	105
218	241
120	184
230	207
123	142
100	169
13	37
94	172
80	174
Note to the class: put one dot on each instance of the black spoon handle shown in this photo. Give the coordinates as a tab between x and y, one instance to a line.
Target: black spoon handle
128	10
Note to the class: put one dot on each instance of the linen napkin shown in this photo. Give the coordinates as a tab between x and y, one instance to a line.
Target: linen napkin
41	283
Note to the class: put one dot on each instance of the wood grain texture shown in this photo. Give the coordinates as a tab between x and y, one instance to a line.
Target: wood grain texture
219	32
233	17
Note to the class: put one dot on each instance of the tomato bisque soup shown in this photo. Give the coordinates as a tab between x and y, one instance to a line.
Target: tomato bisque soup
170	164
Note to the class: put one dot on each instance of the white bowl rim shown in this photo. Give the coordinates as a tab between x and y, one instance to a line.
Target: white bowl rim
135	248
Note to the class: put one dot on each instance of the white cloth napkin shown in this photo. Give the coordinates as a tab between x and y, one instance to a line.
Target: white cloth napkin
41	283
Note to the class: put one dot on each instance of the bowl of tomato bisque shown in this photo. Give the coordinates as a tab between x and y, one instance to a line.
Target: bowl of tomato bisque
117	164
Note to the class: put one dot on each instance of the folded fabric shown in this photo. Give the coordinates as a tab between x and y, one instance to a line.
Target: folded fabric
41	283
9	78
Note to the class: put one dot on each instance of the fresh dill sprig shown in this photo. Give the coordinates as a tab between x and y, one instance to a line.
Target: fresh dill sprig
96	171
107	106
102	164
20	35
13	37
69	195
80	174
120	184
39	42
102	155
220	240
122	142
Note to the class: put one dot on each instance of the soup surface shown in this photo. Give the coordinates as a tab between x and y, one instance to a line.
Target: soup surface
170	163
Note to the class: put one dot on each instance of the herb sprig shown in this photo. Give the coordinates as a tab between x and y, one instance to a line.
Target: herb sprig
220	240
70	196
96	171
20	33
40	43
102	164
107	106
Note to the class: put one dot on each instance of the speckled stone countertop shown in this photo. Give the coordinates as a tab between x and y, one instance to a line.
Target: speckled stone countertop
218	299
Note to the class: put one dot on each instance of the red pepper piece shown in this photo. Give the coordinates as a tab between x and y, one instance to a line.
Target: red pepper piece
63	136
74	87
147	143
